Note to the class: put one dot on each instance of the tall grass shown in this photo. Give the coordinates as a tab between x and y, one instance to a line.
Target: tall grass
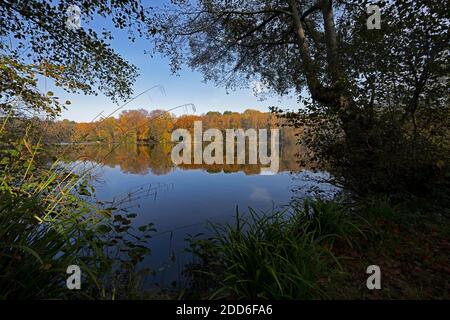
283	255
46	224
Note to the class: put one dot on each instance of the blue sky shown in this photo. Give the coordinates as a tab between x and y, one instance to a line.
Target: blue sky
185	87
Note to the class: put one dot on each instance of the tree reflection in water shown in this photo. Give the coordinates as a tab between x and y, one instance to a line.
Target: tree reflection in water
156	159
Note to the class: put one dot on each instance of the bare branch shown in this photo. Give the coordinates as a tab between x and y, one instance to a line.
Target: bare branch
284	11
258	27
315	7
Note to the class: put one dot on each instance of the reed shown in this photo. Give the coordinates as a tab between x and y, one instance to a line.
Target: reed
283	255
48	223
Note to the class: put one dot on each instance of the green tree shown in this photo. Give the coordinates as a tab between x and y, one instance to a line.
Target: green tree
86	60
365	91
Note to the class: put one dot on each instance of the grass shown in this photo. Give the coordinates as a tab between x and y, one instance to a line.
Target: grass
320	249
47	224
284	255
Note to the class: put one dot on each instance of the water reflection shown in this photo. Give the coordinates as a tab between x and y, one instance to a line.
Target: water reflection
143	159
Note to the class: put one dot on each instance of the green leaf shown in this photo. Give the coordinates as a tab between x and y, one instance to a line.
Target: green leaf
104	228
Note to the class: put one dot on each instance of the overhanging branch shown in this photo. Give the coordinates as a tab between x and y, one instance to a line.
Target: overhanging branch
258	27
315	7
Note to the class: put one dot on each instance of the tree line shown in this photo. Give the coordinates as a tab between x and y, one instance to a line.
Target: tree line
133	126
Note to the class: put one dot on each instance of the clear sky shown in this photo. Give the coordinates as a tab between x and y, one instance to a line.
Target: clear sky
185	87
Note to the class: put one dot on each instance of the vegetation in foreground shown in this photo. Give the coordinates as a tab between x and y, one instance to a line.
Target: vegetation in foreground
320	249
48	222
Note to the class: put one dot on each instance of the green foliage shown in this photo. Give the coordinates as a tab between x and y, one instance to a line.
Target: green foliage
86	56
320	249
284	255
20	80
46	225
383	154
48	220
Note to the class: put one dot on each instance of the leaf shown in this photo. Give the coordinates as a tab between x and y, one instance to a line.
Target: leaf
104	228
106	213
143	228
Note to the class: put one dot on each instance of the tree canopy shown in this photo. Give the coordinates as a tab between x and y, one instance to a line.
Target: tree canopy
34	33
371	98
318	48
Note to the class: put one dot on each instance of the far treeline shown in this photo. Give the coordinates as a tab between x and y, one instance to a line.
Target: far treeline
132	126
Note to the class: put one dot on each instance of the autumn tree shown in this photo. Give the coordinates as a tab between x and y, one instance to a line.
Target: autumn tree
160	126
84	131
134	125
187	122
59	131
107	129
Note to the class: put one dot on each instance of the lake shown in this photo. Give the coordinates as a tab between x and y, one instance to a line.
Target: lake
181	200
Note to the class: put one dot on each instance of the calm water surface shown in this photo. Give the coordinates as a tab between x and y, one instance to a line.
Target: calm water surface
181	200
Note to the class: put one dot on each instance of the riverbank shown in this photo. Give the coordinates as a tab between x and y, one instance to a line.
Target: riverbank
322	251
